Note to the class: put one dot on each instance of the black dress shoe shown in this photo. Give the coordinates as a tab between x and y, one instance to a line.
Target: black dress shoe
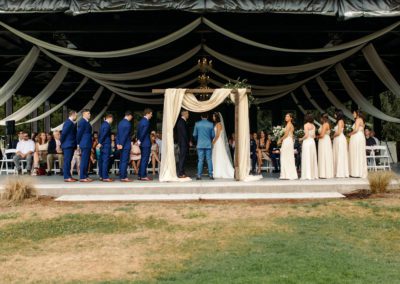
198	178
48	174
211	178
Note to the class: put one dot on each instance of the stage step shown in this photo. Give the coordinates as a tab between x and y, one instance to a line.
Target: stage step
198	197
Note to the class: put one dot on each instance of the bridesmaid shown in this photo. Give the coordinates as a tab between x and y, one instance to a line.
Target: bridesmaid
340	149
325	154
309	165
288	166
357	152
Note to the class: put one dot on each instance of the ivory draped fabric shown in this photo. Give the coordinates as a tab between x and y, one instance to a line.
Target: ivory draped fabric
19	76
101	113
107	54
53	109
175	99
356	95
380	69
333	99
126	76
157	83
89	105
314	103
50	88
338	47
281	70
296	101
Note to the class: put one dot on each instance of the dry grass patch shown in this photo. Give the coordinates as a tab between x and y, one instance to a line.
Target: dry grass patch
18	189
379	181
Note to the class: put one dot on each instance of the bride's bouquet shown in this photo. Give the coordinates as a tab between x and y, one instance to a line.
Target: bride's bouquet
277	132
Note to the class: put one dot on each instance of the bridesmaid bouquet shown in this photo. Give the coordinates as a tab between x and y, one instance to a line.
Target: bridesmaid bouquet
299	133
277	132
347	129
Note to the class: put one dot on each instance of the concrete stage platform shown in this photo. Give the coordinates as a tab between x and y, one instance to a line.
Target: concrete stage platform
55	187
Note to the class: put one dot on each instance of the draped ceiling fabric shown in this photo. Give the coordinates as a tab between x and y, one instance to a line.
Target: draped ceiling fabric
338	47
175	99
89	105
102	112
341	9
333	99
130	75
59	105
296	101
314	103
380	69
281	70
107	54
50	88
356	95
19	76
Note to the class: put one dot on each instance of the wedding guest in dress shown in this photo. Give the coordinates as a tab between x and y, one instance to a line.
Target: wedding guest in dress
309	164
76	162
68	144
54	152
143	135
105	148
325	154
25	150
123	141
357	152
155	153
182	137
135	155
340	148
84	141
40	155
288	166
263	150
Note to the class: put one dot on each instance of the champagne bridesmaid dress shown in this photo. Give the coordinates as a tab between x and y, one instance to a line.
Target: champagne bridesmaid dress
309	165
325	157
288	166
340	155
357	154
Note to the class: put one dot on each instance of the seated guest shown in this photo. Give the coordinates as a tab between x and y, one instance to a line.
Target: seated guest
368	138
263	150
155	152
54	152
253	152
159	141
25	151
373	135
76	161
40	155
135	155
274	155
15	141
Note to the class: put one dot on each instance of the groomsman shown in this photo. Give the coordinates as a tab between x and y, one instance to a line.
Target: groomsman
143	136
123	141
105	148
68	144
182	133
84	141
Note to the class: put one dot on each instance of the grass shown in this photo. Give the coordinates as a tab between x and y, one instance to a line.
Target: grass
346	241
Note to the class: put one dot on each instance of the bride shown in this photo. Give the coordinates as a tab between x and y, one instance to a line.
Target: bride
221	157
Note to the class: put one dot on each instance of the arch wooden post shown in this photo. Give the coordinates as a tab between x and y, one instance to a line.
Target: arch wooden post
236	162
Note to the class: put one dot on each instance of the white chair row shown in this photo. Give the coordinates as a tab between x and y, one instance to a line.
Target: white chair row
7	162
378	158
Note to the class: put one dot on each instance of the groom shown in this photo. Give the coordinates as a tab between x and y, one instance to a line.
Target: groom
204	134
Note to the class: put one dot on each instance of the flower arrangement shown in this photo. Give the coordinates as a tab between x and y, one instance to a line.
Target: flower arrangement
299	133
347	129
277	132
240	84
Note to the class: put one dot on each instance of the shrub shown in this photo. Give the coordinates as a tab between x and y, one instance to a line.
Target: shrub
379	181
17	189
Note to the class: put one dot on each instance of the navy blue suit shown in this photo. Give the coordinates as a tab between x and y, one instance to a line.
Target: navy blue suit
124	138
105	150
143	135
84	141
68	145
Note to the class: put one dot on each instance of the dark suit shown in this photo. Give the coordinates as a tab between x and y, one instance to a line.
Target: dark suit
84	141
68	145
143	134
124	138
182	136
253	154
105	150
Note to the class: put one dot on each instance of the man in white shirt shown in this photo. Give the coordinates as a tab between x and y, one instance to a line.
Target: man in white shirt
25	149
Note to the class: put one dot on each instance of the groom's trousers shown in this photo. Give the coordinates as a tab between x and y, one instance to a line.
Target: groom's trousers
204	153
183	150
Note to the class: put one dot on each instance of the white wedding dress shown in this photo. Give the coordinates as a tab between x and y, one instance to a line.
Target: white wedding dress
221	159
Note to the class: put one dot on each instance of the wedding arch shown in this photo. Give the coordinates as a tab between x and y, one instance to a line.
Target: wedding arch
176	99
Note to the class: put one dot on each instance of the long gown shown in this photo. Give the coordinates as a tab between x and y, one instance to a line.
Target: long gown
357	154
325	157
222	164
288	166
309	165
340	156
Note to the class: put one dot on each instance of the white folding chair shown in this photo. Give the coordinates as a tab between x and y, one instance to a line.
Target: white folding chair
382	158
371	161
6	161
